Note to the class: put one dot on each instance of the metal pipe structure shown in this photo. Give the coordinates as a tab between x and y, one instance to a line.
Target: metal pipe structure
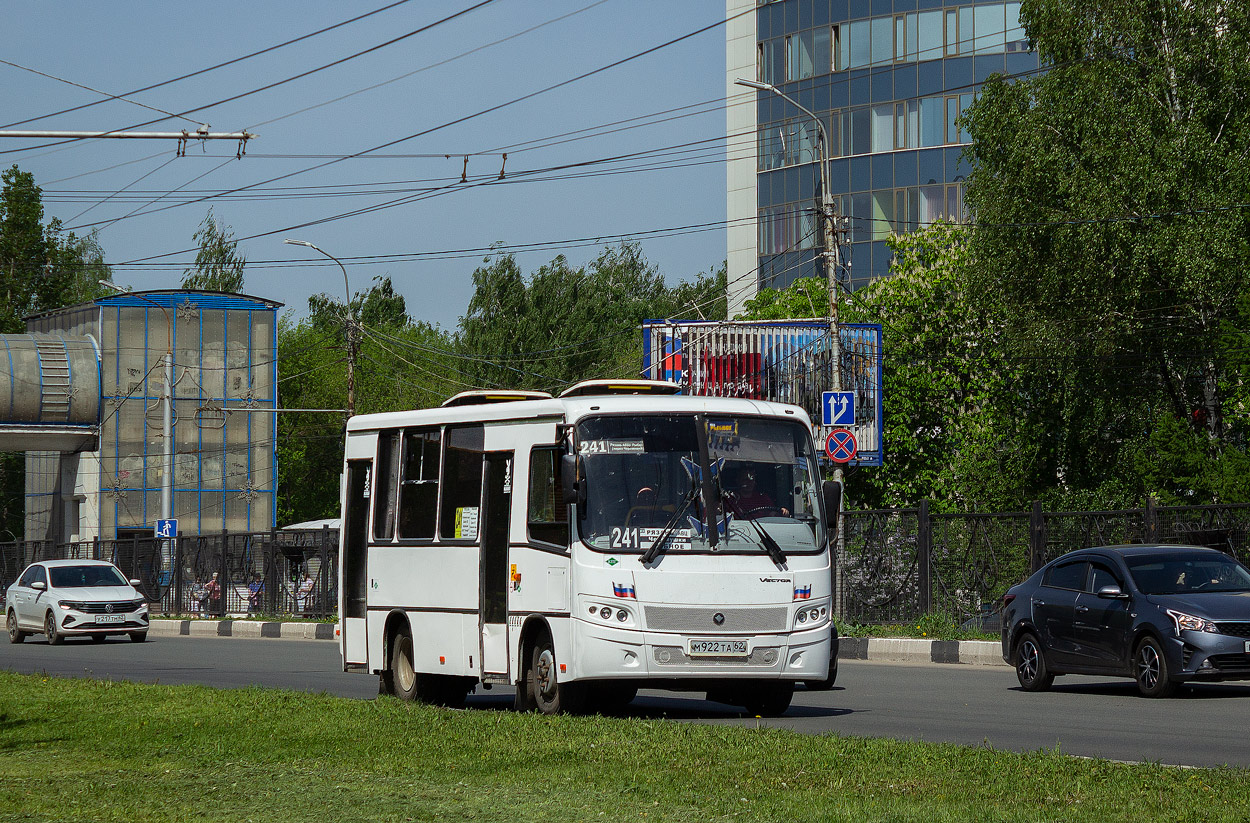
134	135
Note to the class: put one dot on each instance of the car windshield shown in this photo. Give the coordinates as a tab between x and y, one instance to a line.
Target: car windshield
643	478
71	577
1182	574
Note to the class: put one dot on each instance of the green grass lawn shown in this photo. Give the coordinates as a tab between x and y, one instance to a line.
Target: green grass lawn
80	750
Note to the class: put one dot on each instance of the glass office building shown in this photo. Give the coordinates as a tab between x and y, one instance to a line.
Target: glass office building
888	80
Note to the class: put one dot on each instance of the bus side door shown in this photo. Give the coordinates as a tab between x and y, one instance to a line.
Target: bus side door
494	564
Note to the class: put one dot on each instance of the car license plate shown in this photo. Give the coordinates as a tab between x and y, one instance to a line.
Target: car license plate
718	648
105	619
1248	647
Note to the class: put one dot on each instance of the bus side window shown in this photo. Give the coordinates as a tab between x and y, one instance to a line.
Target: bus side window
418	496
384	486
548	515
462	482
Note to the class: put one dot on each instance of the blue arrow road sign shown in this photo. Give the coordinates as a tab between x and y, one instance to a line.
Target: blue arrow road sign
166	528
838	408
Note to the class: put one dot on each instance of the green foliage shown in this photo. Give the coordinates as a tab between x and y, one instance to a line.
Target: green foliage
1112	239
42	268
562	324
400	364
218	263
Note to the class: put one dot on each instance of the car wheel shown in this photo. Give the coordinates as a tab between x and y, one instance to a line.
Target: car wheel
1150	668
49	629
98	638
548	694
16	635
138	637
1031	669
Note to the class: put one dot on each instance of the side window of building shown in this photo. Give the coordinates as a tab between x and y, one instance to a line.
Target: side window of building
462	482
1067	576
1100	575
548	516
418	491
385	473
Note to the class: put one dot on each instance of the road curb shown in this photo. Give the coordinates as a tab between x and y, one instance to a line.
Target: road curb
885	649
241	628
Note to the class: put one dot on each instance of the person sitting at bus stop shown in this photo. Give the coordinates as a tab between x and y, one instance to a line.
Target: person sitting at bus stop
746	501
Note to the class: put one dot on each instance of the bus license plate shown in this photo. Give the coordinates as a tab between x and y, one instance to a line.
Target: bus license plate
104	619
718	648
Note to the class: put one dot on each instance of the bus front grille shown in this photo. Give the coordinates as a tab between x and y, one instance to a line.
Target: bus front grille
702	619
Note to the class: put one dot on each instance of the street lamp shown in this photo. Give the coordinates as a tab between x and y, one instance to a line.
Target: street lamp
829	255
350	323
167	418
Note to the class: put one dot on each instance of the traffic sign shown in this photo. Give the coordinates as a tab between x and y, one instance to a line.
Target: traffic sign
837	408
166	528
841	446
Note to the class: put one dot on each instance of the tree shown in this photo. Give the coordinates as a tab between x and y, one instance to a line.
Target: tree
400	364
41	268
1112	233
568	324
218	264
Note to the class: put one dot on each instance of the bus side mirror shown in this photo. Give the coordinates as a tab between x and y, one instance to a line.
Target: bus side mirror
572	469
832	490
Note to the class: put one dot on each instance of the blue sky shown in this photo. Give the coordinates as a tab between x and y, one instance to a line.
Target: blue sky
117	47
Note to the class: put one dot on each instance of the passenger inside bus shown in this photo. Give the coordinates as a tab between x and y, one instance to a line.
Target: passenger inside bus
744	498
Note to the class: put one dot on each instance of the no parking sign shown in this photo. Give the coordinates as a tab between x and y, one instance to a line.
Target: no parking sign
841	446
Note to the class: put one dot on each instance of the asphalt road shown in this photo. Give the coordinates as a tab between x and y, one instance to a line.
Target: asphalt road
1093	717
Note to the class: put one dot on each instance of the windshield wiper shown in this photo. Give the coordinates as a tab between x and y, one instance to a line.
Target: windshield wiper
657	547
766	540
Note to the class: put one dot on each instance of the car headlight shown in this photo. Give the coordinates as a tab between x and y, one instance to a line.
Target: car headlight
71	604
1189	622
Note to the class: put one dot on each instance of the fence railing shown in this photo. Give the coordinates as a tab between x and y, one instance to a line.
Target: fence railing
898	565
895	566
285	572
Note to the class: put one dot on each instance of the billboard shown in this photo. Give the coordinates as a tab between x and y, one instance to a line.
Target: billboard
786	361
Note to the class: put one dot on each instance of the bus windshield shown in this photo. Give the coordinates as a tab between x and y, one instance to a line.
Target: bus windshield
643	483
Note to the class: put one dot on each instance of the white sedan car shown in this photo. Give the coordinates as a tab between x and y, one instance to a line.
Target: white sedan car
62	598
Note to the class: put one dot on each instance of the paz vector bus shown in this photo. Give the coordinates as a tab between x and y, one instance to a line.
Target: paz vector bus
619	536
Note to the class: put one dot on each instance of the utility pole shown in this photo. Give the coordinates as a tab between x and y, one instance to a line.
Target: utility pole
349	320
831	258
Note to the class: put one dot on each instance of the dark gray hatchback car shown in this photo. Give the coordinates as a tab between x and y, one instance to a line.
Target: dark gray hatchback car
1163	615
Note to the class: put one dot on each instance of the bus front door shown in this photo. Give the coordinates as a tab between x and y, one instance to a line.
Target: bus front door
352	571
494	563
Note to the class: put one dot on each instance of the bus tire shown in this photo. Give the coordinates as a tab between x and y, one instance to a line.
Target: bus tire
548	694
401	669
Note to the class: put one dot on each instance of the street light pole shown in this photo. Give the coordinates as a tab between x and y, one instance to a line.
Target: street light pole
350	322
167	419
831	257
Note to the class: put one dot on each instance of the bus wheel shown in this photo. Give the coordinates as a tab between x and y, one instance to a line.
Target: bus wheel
402	671
547	693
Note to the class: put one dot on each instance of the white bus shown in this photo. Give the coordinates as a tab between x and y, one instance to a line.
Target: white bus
584	546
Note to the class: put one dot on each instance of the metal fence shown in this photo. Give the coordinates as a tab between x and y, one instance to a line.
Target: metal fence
895	566
899	565
285	572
